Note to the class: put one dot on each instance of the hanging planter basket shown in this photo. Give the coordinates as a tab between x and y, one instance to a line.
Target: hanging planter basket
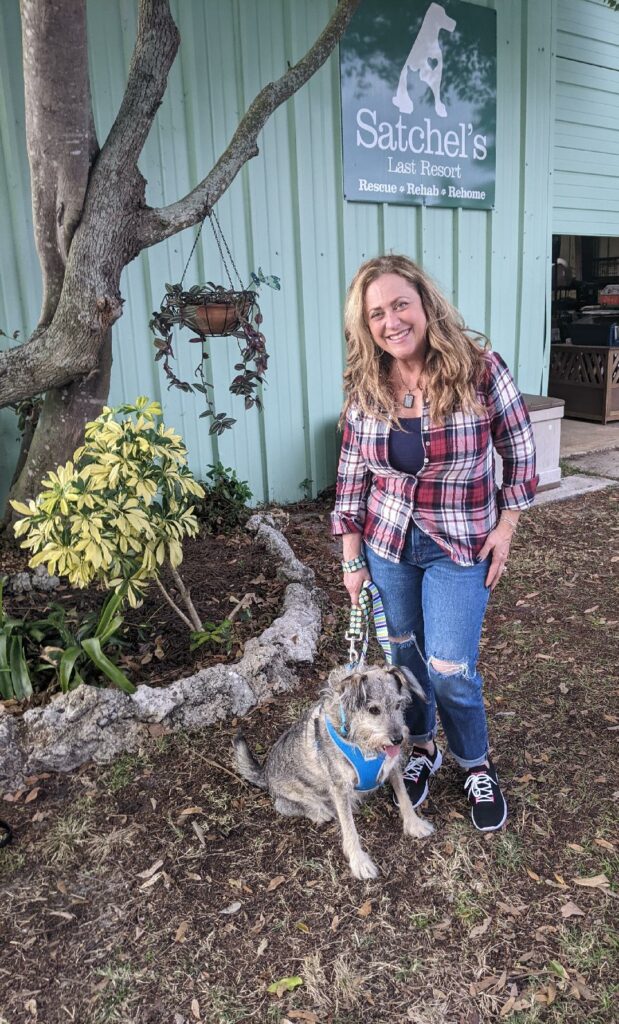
212	310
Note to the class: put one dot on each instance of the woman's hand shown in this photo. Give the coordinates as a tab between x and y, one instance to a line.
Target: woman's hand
353	581
497	545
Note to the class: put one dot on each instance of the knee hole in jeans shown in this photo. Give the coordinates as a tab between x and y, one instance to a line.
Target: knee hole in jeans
447	668
408	640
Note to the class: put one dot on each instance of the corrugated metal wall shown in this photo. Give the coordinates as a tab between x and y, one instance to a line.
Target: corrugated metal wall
586	132
285	212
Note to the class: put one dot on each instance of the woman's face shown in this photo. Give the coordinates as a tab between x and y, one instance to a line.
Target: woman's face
395	316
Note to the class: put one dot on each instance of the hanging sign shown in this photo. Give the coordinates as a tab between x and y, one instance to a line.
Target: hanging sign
418	83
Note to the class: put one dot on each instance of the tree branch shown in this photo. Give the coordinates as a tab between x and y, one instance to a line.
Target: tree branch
155	48
158	224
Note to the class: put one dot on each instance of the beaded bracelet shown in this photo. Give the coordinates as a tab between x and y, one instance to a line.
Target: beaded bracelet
354	564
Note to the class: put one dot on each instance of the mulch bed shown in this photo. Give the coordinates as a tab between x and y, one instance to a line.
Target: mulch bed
162	888
218	570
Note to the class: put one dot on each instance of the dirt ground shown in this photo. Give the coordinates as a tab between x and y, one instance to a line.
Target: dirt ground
163	890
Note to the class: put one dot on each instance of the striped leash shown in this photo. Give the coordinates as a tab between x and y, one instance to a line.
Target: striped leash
370	603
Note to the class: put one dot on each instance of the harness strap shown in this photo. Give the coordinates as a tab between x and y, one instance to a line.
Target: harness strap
367	769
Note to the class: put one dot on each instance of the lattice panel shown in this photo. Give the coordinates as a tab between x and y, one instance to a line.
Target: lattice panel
578	367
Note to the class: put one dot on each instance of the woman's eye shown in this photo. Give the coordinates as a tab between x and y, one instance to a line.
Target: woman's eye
376	314
374	709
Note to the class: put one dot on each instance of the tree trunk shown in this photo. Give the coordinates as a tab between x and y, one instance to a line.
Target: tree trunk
62	419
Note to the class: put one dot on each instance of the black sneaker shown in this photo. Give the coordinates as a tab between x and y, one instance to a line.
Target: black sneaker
488	805
420	767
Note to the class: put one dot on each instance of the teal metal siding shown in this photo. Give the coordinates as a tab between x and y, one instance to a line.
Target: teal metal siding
285	212
586	128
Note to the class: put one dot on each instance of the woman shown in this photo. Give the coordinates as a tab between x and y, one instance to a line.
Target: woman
425	405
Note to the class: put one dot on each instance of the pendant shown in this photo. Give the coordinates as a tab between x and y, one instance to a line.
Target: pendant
408	401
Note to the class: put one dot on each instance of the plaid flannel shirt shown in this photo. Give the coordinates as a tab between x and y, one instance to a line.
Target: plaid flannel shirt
453	498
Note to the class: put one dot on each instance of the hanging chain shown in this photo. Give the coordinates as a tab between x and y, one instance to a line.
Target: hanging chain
219	238
193	248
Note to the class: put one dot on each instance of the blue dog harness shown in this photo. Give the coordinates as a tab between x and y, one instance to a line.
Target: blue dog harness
367	769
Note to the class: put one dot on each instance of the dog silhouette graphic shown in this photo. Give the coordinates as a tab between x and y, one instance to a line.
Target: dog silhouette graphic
426	57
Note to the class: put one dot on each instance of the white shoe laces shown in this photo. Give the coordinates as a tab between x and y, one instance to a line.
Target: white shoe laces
415	765
480	786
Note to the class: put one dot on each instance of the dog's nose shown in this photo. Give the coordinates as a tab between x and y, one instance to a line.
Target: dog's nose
396	740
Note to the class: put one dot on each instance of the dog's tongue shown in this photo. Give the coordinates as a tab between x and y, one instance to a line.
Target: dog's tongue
392	751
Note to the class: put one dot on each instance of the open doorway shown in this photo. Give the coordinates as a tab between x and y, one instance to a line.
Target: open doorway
584	360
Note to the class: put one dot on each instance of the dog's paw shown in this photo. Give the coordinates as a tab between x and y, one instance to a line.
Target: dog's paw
362	865
418	828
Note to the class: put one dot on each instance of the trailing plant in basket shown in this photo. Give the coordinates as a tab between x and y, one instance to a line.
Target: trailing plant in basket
118	513
210	310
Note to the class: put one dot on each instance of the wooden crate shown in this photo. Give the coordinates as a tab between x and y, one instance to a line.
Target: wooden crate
587	379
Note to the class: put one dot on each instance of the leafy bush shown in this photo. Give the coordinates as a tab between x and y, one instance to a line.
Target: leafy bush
120	510
32	652
224	505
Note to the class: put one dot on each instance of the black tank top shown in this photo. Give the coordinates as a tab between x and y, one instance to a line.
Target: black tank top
406	452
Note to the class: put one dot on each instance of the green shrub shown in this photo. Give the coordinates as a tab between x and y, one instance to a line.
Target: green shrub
224	505
52	652
120	510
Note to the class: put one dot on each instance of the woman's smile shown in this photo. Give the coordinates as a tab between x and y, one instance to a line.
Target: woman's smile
396	318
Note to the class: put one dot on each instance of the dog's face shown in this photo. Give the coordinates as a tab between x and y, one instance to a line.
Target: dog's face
373	702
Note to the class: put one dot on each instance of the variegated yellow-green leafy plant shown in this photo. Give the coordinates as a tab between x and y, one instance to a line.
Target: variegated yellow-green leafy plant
119	511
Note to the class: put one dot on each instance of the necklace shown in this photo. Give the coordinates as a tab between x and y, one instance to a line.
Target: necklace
409	399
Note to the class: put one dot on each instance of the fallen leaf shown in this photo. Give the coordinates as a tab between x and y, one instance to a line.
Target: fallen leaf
302	927
507	1007
195	1009
480	929
306	1015
152	880
232	908
477	987
533	875
335	922
583	990
605	844
151	870
455	816
278	988
276	882
593	608
199	832
594	882
508	908
365	909
62	888
527	777
564	688
31	1006
181	931
261	947
577	847
571	910
190	810
556	968
32	795
62	913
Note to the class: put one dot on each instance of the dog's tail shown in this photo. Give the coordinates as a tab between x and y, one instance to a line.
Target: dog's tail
247	764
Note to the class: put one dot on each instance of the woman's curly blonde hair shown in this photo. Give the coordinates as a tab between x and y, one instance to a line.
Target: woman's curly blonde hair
454	361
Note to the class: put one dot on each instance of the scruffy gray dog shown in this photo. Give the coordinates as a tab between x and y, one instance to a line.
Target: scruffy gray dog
340	750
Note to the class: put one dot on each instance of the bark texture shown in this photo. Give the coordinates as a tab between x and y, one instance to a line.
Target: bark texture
89	207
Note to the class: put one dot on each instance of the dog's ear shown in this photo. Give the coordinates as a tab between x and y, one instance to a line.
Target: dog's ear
349	687
407	681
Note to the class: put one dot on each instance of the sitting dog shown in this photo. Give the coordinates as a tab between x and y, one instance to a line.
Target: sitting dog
338	752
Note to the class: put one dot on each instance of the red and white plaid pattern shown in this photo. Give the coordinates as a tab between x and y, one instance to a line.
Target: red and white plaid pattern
453	498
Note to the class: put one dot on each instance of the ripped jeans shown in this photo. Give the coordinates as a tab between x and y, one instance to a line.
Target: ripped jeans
434	610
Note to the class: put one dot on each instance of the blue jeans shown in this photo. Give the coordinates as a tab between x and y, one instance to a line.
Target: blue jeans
434	610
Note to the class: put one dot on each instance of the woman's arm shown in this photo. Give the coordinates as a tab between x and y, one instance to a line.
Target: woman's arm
348	516
512	436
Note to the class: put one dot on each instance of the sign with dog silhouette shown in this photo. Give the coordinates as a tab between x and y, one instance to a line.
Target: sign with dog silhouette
418	82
